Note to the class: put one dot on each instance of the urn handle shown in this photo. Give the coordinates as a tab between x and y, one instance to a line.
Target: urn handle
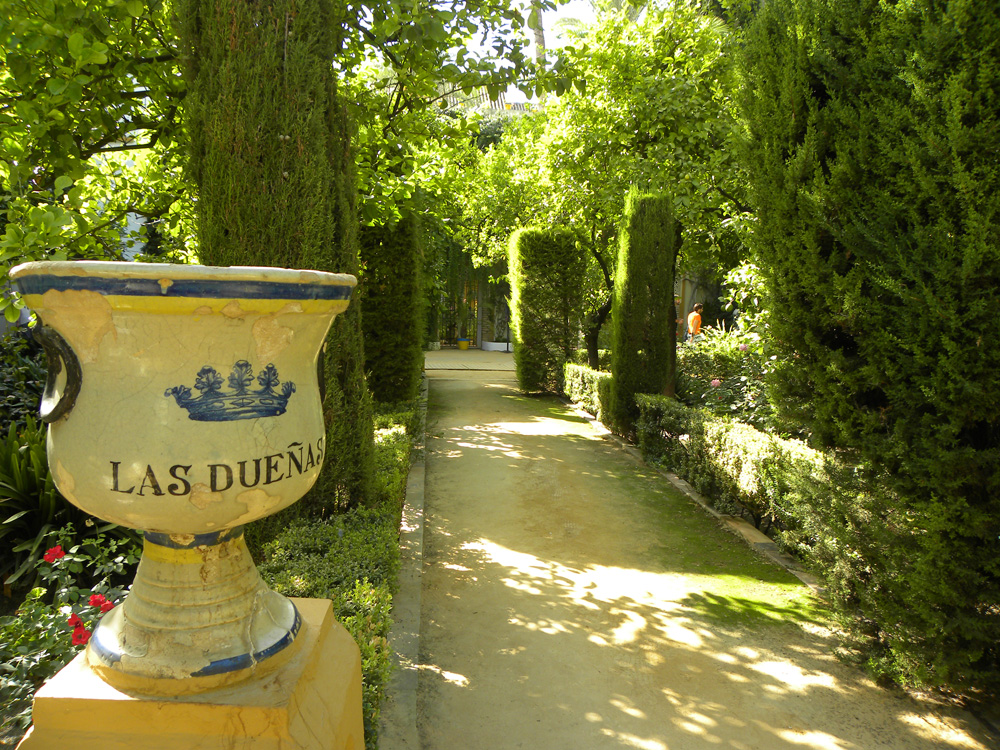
60	354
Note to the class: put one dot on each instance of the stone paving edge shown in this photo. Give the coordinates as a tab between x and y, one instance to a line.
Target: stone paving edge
398	719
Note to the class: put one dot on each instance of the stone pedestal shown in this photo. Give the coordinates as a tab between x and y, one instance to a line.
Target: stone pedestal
313	702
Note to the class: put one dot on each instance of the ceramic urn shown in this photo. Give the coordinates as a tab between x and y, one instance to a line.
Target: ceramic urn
185	401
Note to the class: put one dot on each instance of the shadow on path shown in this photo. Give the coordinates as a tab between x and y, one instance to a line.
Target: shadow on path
573	599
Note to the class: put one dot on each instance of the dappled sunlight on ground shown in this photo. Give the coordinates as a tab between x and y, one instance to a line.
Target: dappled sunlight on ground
572	601
689	674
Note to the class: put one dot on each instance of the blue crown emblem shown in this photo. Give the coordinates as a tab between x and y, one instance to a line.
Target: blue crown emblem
239	401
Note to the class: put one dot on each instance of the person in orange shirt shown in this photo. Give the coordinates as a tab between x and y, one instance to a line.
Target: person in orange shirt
694	323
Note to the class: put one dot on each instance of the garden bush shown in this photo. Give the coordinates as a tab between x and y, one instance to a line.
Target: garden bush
546	278
591	389
643	317
22	378
393	301
79	583
873	130
353	560
724	373
743	471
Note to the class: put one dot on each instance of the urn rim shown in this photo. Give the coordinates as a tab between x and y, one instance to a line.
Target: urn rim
172	280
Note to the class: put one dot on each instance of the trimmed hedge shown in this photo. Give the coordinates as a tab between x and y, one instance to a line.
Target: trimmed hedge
546	280
742	470
643	318
872	138
589	388
351	559
393	306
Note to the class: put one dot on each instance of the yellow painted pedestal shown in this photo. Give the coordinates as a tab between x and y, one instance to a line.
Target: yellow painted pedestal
311	703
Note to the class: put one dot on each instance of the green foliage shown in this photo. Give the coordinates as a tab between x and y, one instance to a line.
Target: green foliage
30	505
591	389
405	416
22	379
546	274
410	73
83	85
643	348
39	639
501	189
392	464
657	112
724	373
271	158
392	302
872	134
743	471
313	557
353	560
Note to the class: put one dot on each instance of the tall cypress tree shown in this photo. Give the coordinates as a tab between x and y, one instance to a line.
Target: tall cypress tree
644	333
393	304
270	154
546	279
874	130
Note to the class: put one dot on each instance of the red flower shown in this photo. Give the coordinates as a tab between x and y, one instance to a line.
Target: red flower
53	554
75	621
107	607
97	600
80	636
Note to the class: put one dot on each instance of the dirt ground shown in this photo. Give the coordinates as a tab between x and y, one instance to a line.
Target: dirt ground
572	599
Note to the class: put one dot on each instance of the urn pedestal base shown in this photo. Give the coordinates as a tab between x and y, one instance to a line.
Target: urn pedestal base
311	703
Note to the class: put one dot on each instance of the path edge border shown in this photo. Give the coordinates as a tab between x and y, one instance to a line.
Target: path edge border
398	718
752	536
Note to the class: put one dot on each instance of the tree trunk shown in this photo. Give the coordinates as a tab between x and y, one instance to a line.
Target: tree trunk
539	32
594	324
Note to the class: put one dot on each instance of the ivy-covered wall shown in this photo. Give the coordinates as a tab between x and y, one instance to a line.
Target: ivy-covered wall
873	134
546	271
270	154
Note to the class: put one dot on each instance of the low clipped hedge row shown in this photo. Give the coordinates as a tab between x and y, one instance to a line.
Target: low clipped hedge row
589	388
743	471
351	559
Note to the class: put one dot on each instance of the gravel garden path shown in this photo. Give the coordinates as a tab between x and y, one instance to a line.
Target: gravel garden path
570	598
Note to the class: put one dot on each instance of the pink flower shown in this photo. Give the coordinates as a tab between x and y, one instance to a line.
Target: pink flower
743	347
716	383
80	636
97	600
53	554
74	621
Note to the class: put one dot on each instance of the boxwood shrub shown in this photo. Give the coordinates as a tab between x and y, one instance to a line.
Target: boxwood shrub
745	472
589	388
